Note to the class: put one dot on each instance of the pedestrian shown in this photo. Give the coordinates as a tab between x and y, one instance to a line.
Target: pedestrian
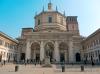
92	63
40	62
25	63
4	62
35	63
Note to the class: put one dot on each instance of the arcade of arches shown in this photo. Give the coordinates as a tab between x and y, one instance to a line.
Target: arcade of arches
54	35
57	51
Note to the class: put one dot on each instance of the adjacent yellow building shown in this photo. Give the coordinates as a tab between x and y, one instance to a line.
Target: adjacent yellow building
91	48
8	48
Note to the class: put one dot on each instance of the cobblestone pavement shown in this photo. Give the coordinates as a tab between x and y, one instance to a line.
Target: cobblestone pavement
31	69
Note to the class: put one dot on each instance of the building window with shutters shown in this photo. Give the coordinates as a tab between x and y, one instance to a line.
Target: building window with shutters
1	42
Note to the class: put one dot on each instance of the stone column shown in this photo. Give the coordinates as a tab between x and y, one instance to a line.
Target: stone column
28	51
56	52
65	56
34	54
71	54
41	51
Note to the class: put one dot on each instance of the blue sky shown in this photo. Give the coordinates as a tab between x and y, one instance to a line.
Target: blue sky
17	14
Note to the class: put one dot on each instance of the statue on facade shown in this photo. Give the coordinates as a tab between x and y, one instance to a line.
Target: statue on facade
47	51
47	58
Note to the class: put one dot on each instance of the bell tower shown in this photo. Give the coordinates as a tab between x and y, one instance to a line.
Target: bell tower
72	24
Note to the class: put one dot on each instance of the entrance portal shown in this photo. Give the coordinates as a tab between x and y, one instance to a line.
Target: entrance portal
35	52
62	57
37	57
22	56
78	58
63	48
99	57
51	56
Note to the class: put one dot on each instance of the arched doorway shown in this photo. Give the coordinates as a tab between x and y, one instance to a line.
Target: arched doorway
49	50
35	51
22	56
78	57
63	48
99	57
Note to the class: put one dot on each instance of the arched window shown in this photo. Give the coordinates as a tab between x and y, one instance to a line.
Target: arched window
50	19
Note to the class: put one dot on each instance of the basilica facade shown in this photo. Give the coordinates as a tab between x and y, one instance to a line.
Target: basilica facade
54	35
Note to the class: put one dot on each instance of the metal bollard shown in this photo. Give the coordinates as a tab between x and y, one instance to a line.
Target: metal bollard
16	68
63	68
82	68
